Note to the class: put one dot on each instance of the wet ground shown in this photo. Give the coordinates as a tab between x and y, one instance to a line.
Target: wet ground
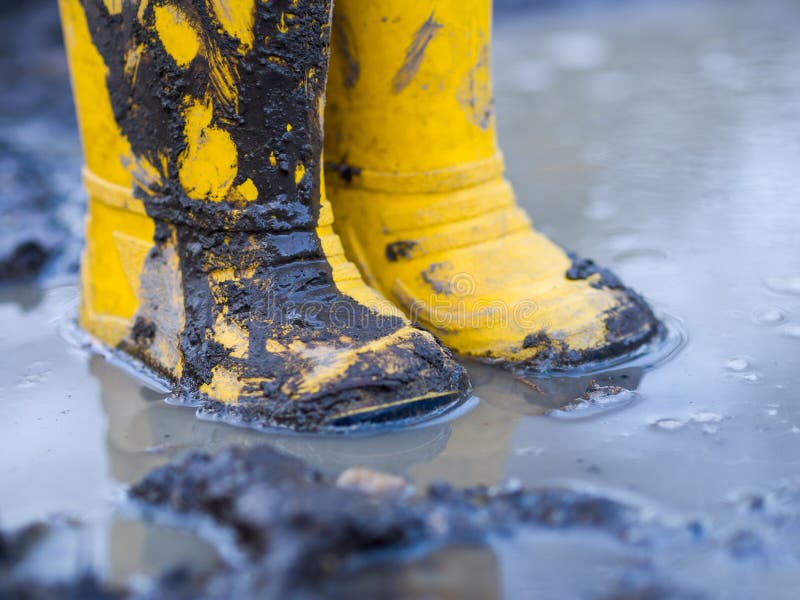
660	138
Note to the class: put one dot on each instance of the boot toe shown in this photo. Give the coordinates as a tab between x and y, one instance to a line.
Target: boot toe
400	379
607	325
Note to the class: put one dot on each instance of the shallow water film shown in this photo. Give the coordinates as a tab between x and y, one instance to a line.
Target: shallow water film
659	138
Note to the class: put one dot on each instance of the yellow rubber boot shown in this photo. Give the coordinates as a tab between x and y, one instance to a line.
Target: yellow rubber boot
416	182
210	252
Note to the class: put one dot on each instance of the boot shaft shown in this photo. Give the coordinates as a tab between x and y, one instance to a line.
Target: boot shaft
212	112
419	74
203	115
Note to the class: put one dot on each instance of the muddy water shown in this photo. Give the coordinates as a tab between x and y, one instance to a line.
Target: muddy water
661	139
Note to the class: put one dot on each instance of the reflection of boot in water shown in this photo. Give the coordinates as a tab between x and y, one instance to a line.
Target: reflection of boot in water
539	396
129	432
140	548
144	431
398	452
422	205
477	450
479	445
456	573
210	250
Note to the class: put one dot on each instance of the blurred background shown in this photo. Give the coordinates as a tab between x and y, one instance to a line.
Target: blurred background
660	137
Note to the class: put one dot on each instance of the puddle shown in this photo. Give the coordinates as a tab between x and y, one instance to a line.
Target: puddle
699	211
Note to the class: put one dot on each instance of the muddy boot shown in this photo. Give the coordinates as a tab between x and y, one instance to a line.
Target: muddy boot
416	182
210	252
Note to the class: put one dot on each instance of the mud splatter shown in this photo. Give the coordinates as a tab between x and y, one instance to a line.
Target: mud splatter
415	54
584	268
630	324
400	250
344	41
345	171
629	327
475	91
433	277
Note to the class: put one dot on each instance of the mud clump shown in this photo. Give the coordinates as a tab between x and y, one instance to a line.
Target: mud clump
646	585
84	588
596	399
39	149
21	258
18	546
30	234
300	530
583	268
15	546
299	534
345	171
296	533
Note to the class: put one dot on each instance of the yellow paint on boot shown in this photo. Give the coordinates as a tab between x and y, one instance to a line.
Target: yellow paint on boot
225	385
114	6
248	190
105	148
420	199
328	362
177	33
108	300
236	17
299	171
118	236
346	276
208	165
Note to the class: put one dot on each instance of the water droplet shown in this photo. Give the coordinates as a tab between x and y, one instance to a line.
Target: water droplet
595	153
769	316
528	450
721	68
790	284
642	258
772	412
737	364
791	330
35	374
749	377
600	209
710	429
610	86
157	448
668	424
707	417
532	76
577	50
